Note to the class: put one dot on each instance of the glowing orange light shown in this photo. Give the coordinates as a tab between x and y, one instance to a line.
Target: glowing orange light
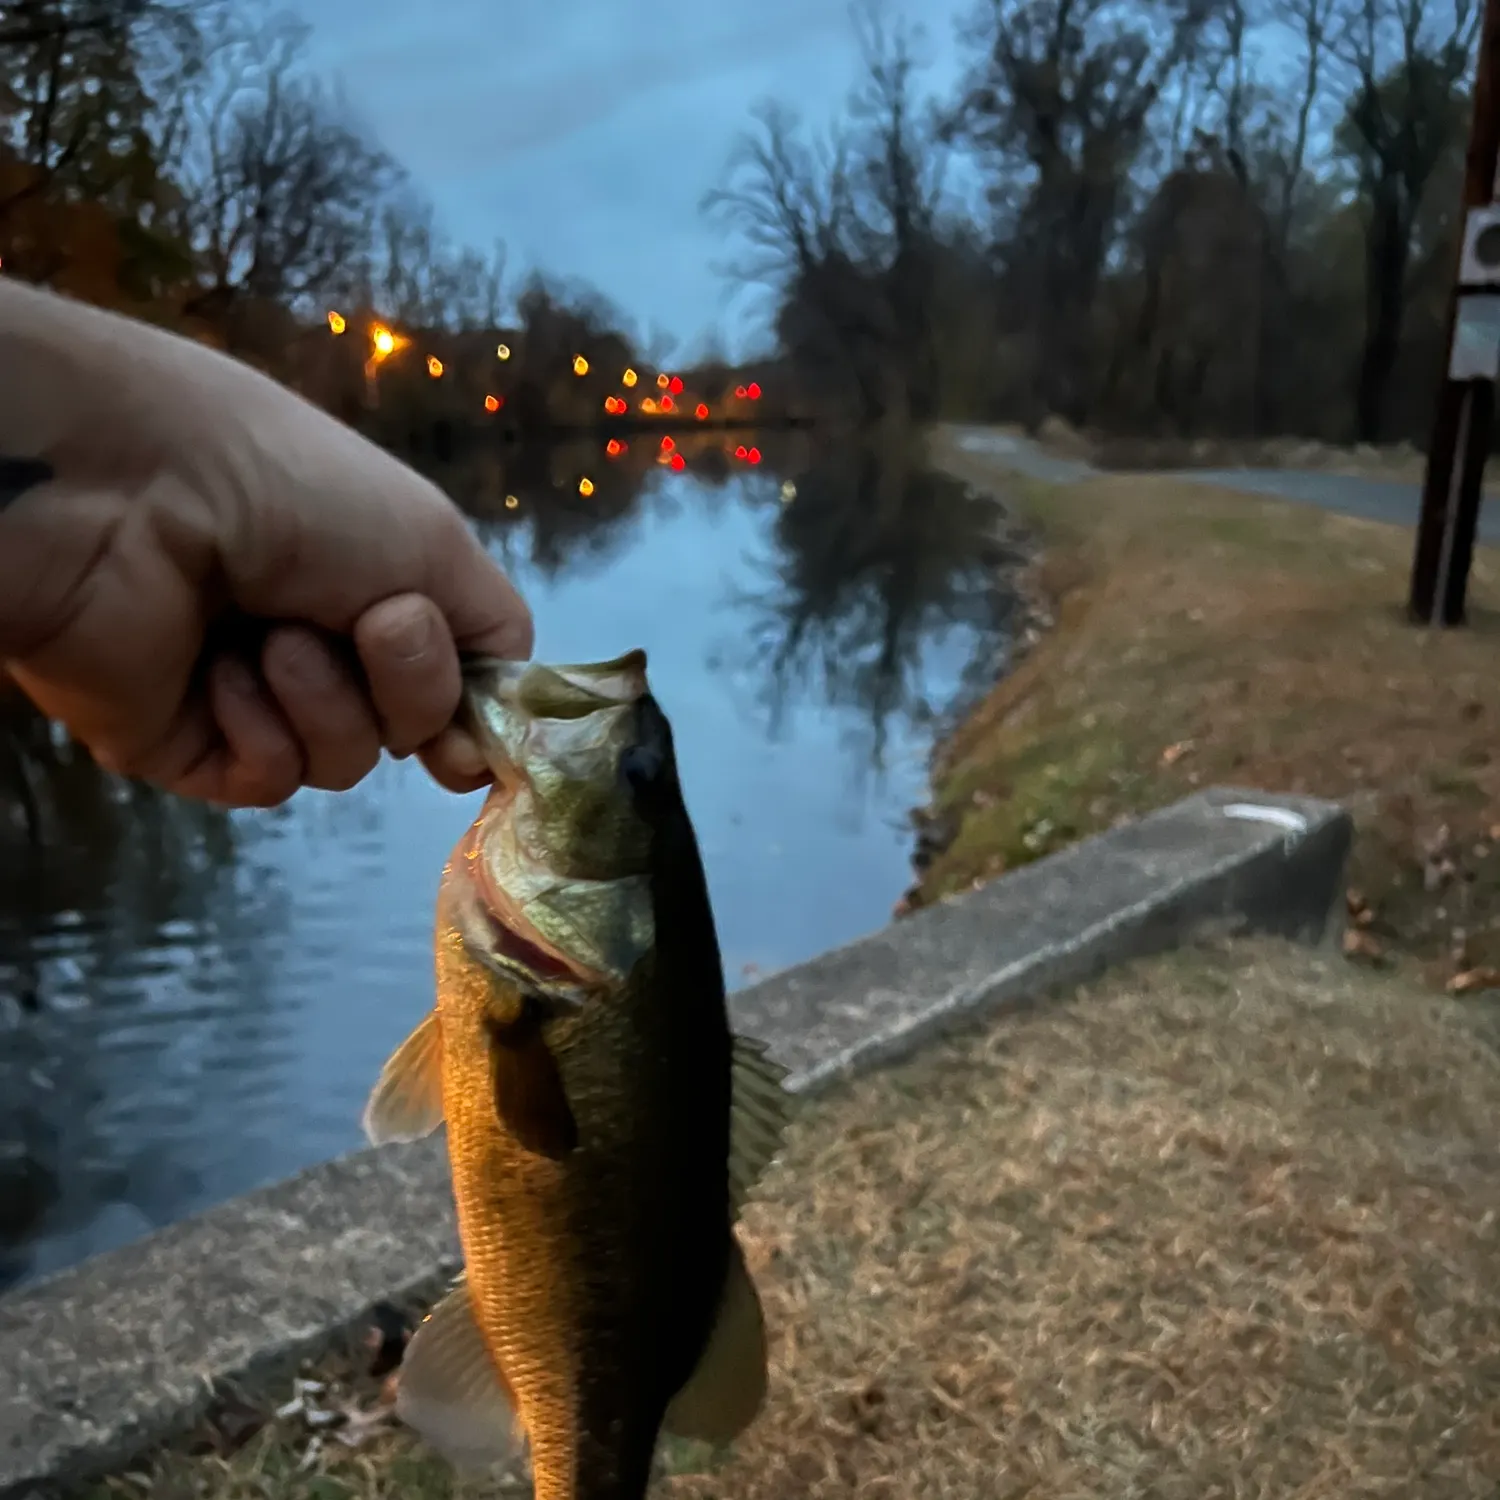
668	443
649	404
661	382
739	392
679	462
502	351
701	412
668	404
741	451
511	502
336	323
383	341
754	455
753	391
434	366
580	365
492	403
585	486
629	378
614	447
675	385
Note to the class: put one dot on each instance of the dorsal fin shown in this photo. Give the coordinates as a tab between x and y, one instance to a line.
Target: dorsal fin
759	1109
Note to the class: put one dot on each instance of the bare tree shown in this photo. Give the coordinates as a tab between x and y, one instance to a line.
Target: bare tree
281	187
1061	99
1405	114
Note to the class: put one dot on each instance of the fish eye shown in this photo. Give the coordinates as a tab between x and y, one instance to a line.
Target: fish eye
641	767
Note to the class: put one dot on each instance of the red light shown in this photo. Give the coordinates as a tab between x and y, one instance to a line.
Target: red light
701	412
754	455
753	391
741	451
668	443
739	392
668	404
614	447
675	385
679	462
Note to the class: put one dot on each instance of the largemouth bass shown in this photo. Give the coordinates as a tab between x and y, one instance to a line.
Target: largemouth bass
604	1125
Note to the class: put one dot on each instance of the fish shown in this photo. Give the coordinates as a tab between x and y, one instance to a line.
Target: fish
605	1125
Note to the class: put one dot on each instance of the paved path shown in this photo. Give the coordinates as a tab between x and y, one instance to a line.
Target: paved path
1389	500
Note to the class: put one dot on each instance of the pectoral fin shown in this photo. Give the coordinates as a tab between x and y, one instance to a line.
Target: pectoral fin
407	1102
758	1114
530	1099
724	1393
451	1392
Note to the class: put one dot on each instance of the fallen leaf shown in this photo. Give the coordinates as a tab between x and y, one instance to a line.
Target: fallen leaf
1471	981
1174	753
1361	944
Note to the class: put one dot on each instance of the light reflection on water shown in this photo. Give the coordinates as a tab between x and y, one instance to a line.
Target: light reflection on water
193	1003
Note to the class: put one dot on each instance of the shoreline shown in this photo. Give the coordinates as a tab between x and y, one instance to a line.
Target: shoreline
1029	584
1206	634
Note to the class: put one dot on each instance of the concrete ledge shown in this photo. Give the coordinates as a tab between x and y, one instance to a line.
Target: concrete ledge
128	1349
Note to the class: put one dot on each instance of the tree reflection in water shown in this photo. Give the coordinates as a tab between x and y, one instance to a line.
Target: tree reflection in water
115	900
875	561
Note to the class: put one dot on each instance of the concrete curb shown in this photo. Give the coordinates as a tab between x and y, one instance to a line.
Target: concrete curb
128	1349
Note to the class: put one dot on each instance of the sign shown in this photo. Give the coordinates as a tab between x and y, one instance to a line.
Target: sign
1479	260
1475	354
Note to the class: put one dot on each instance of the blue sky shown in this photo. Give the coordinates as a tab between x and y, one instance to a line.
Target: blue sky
584	133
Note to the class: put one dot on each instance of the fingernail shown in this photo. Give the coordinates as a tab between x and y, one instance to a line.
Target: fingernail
461	751
410	636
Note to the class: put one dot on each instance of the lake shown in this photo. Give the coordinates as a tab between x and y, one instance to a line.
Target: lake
193	1003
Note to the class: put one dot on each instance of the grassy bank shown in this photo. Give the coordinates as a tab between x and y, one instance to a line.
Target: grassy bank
1204	636
1219	1225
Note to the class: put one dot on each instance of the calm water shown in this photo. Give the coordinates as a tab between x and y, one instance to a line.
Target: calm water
194	1003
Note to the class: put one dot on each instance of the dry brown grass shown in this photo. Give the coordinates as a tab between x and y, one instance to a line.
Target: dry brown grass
1210	637
1222	1225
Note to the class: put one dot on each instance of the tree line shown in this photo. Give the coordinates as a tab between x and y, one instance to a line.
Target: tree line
1181	218
182	161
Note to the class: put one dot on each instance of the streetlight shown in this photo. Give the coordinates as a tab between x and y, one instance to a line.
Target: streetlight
383	344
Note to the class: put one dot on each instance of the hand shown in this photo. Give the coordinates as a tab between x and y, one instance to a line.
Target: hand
222	589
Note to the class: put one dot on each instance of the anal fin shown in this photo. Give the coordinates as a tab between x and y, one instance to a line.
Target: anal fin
407	1101
722	1396
759	1107
452	1394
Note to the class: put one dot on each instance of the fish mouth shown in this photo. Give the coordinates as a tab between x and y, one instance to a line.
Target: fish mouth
568	691
497	934
501	699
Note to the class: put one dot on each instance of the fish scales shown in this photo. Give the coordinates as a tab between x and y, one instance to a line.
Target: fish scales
602	1120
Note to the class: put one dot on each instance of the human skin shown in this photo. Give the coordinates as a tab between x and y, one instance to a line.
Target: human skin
215	585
